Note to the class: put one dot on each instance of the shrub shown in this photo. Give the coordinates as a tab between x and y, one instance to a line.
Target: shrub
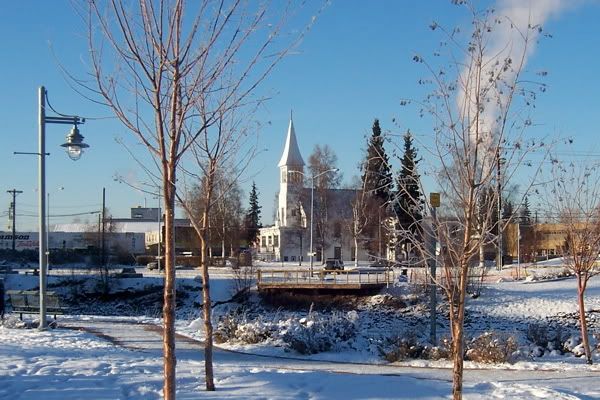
235	327
491	347
316	333
401	347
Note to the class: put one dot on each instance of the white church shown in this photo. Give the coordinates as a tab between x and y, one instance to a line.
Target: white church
288	240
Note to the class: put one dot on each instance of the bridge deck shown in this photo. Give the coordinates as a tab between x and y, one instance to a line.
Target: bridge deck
347	280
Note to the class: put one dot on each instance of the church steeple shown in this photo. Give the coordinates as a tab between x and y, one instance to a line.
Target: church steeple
291	168
291	153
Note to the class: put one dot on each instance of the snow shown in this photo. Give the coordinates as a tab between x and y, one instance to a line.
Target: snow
110	357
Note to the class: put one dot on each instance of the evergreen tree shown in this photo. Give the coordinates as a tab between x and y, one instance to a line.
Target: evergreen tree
525	211
508	210
377	176
408	204
252	219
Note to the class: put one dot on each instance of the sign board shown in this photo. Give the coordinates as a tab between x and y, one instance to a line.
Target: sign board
311	254
434	199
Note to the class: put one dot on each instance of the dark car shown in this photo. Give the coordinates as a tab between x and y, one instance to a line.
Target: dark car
333	264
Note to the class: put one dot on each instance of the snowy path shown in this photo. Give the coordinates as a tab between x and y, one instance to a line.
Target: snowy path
424	382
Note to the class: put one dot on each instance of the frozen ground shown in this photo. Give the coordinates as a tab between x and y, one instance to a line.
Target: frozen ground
120	358
70	364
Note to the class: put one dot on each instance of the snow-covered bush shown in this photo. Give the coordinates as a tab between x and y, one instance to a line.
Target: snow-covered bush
401	347
236	327
318	333
551	339
491	347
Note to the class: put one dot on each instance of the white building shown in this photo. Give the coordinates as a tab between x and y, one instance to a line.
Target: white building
289	238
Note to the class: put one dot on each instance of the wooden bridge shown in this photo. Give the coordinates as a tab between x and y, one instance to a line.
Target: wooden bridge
324	280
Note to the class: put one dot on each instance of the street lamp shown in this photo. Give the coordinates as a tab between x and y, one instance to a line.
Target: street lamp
312	206
74	145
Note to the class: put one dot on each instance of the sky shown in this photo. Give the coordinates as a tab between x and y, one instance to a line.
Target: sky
354	65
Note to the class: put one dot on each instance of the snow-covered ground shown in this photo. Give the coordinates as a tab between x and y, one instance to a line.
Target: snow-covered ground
118	357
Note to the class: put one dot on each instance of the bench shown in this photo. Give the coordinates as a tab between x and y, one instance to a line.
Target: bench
28	302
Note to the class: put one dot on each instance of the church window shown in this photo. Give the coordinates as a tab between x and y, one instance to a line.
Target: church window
263	240
276	240
270	240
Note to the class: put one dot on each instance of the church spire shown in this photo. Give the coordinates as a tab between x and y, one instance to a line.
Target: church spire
291	153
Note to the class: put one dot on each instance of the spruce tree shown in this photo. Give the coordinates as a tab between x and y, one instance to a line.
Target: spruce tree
377	176
507	210
252	223
525	211
408	204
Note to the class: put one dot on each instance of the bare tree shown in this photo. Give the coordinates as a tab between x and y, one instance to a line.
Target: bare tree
170	70
573	201
479	102
323	159
361	216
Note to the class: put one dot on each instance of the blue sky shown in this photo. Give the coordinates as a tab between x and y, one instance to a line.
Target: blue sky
354	65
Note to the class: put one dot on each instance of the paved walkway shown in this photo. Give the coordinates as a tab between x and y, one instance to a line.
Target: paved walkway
148	339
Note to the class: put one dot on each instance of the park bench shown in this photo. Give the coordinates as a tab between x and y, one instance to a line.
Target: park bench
28	302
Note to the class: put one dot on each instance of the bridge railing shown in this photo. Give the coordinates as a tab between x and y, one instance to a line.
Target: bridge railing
320	277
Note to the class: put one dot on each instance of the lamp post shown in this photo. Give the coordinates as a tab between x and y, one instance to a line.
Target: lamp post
312	206
74	146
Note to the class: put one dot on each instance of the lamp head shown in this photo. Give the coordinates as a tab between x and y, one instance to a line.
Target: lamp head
74	144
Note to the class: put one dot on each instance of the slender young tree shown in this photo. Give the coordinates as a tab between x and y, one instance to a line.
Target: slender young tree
170	70
573	202
323	159
478	99
252	222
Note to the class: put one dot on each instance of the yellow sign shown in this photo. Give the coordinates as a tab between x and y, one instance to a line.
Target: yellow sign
434	199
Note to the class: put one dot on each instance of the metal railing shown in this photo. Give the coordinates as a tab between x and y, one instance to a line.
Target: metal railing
324	277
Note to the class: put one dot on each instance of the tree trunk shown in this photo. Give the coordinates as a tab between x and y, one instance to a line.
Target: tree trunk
169	361
206	307
582	320
457	356
356	251
457	322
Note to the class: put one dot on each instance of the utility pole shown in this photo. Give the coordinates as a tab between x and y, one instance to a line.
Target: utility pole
103	226
13	205
500	161
434	201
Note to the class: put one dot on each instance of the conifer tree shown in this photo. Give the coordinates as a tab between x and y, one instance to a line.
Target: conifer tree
507	210
377	176
525	212
408	204
252	219
377	183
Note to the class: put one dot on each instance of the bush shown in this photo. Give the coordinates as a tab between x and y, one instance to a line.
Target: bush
547	338
235	327
491	347
401	348
316	333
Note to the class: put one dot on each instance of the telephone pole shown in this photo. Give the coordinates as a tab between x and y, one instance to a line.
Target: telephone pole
13	206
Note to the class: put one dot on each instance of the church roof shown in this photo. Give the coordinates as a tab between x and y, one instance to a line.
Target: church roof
291	153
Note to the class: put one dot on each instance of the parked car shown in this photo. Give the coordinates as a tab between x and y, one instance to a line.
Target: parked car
154	265
333	264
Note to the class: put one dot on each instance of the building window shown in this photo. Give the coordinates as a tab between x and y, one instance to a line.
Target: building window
337	230
293	258
285	258
276	240
263	241
270	240
283	176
